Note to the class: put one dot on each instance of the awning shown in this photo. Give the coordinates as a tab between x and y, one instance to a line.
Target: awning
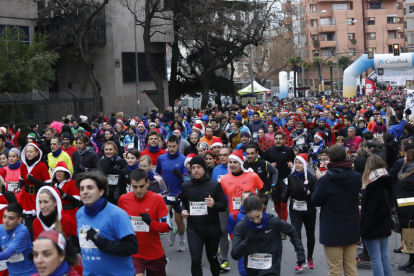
257	89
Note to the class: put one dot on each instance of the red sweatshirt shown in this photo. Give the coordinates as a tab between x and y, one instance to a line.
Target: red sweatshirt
153	155
149	243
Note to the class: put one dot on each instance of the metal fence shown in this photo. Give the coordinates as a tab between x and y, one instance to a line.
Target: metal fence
39	107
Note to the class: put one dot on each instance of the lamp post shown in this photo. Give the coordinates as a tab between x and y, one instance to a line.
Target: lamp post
136	59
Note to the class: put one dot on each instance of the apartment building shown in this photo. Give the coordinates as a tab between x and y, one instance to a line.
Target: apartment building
350	26
409	23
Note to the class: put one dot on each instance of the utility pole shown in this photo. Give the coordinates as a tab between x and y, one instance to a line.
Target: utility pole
383	45
136	59
337	59
301	41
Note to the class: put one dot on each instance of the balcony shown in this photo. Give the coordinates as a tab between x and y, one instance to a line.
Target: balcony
326	28
327	44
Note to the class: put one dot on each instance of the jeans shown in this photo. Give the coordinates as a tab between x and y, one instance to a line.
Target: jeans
378	251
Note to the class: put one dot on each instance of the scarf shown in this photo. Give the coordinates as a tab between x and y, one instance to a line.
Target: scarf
380	123
375	174
245	144
141	138
406	168
63	269
173	156
298	133
151	175
76	127
153	149
261	225
84	151
57	153
15	166
96	208
31	162
49	219
131	168
346	164
113	158
256	122
300	174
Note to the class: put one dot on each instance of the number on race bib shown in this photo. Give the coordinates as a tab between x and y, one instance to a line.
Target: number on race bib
82	239
16	257
259	261
12	185
236	203
113	179
139	225
198	208
300	205
171	198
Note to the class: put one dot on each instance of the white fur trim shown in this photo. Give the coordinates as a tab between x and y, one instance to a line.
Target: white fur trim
216	144
58	202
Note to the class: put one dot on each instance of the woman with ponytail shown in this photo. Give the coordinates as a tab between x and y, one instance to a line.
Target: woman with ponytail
49	214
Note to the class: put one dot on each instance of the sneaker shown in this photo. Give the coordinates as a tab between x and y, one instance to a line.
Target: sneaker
173	234
166	265
299	267
225	266
282	236
181	246
310	265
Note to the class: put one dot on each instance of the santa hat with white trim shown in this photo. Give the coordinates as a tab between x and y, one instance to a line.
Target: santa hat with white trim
318	135
198	127
188	158
303	157
61	166
238	156
177	131
141	124
55	194
216	142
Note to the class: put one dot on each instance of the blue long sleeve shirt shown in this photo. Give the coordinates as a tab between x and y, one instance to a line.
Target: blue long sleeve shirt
166	163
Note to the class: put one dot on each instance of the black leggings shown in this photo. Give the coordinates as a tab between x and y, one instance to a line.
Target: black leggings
195	243
297	218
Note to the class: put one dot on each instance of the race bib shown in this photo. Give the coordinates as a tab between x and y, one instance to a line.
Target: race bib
259	261
139	225
3	265
236	202
113	179
198	208
171	198
128	188
254	135
12	185
16	258
300	141
82	239
130	145
300	205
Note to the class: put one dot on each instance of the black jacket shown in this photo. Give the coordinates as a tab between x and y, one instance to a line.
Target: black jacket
395	169
112	166
337	194
296	189
405	189
393	150
196	190
377	198
87	160
281	156
359	164
266	241
46	149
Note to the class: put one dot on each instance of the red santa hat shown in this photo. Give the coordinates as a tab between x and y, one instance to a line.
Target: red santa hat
177	130
238	156
61	166
189	157
303	157
216	142
318	135
55	236
198	127
141	124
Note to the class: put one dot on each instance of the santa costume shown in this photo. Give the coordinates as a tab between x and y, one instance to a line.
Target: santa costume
68	191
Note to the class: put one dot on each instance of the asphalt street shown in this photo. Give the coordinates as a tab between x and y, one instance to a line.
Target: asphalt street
180	262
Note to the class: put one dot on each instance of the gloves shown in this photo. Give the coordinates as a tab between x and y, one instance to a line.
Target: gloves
62	193
146	218
82	168
92	235
177	173
273	188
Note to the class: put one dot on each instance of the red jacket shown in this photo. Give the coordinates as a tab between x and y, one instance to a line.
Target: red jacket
153	155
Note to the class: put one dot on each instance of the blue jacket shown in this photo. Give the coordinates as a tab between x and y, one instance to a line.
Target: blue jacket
231	224
166	163
396	130
188	127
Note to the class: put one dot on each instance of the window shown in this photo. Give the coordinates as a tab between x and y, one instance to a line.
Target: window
371	36
327	22
350	21
351	36
398	20
312	7
371	21
405	24
26	39
404	11
328	51
340	7
375	6
398	35
410	9
353	51
315	53
398	6
314	37
391	20
328	37
391	35
314	22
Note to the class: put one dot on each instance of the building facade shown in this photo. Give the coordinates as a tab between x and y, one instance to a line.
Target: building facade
409	23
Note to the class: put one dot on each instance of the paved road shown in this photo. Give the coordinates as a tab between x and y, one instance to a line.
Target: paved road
180	262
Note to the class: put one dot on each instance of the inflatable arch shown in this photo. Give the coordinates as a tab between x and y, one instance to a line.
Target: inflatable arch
380	61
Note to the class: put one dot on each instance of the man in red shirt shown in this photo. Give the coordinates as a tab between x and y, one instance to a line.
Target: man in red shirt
153	150
149	217
66	146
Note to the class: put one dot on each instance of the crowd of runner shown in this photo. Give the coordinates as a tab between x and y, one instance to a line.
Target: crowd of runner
91	196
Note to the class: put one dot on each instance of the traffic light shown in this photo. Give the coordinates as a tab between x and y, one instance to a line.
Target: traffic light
370	53
396	49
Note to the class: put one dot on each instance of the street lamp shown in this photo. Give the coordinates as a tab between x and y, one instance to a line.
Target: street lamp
136	58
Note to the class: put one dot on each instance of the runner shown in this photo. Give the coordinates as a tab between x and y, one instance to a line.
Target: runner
11	178
258	240
49	214
106	236
15	242
111	166
58	155
149	216
124	181
54	255
157	184
153	149
85	159
68	192
171	167
203	199
66	145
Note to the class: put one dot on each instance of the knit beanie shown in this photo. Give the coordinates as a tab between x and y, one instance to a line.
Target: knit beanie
65	135
16	151
198	160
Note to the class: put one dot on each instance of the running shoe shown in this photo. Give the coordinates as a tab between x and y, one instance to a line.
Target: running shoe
225	266
173	234
181	246
310	264
299	267
166	265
